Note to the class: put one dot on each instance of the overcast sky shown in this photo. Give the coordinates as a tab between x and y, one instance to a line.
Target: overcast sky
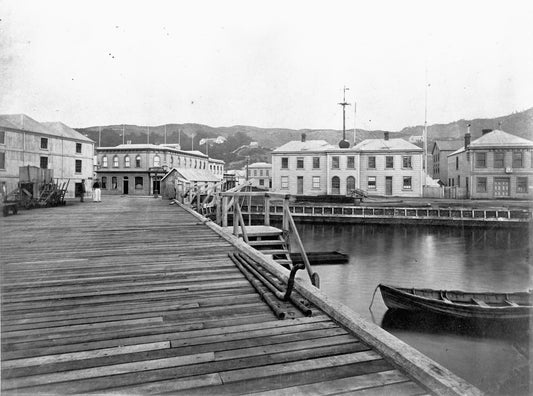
265	63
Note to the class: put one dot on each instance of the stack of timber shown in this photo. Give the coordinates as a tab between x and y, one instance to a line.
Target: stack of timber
133	296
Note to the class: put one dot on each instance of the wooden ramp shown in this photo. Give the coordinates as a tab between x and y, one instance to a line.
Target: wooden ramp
136	296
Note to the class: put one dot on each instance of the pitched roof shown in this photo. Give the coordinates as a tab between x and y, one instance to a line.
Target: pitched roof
60	129
499	138
260	165
23	123
308	145
449	145
386	145
194	175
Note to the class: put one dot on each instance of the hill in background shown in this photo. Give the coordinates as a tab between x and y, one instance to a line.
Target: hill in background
237	146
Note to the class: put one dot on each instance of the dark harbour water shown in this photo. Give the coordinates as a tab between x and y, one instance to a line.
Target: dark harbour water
491	356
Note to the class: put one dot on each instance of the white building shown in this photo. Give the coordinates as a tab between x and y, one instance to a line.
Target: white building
260	174
47	145
388	167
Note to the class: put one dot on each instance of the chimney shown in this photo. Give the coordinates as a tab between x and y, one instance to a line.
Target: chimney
303	137
485	131
386	135
467	137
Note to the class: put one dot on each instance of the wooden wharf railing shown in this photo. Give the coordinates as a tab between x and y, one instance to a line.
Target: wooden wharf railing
490	216
136	296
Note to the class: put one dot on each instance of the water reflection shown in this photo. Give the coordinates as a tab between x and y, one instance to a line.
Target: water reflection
470	259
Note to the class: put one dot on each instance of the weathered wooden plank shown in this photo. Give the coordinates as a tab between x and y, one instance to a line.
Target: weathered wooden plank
107	370
69	357
342	385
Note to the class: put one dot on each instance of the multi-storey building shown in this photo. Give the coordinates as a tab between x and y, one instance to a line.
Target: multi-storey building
496	165
440	151
379	166
260	174
48	145
137	169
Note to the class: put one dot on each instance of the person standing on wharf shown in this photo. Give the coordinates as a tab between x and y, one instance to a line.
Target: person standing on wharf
97	191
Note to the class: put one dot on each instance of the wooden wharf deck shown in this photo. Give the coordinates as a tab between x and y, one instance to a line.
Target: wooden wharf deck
136	296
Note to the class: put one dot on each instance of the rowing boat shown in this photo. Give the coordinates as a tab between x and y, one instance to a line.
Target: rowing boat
460	304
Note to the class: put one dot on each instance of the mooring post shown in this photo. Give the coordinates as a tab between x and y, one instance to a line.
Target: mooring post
267	209
286	214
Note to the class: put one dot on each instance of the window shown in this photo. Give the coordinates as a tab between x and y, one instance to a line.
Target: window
285	163
44	162
157	161
127	161
481	184
316	162
407	183
517	159
300	163
458	180
114	184
78	166
104	182
371	182
260	172
521	184
498	159
2	137
284	182
115	162
78	148
104	162
139	181
335	185
138	161
335	162
389	162
372	162
350	184
456	163
267	172
171	161
406	162
316	182
261	182
481	160
44	143
351	162
2	160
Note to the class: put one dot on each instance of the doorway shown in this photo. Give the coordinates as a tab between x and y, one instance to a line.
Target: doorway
125	185
300	185
388	185
156	185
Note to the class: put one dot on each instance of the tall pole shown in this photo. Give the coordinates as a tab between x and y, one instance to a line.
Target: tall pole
148	134
354	117
424	162
344	104
99	136
165	133
123	133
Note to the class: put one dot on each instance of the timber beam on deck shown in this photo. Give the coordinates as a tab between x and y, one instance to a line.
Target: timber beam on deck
136	296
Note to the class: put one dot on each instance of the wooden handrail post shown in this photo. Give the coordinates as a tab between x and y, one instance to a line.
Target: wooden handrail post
286	214
235	219
225	211
250	210
218	203
241	222
296	235
267	210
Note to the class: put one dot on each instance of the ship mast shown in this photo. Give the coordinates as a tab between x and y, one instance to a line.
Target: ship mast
344	143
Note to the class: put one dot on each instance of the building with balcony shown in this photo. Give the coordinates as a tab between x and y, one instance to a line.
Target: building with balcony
497	165
386	167
47	145
137	169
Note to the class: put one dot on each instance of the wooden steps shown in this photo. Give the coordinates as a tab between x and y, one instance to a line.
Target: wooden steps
134	296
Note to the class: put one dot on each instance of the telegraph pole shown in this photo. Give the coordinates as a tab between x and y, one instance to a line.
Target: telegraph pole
343	143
